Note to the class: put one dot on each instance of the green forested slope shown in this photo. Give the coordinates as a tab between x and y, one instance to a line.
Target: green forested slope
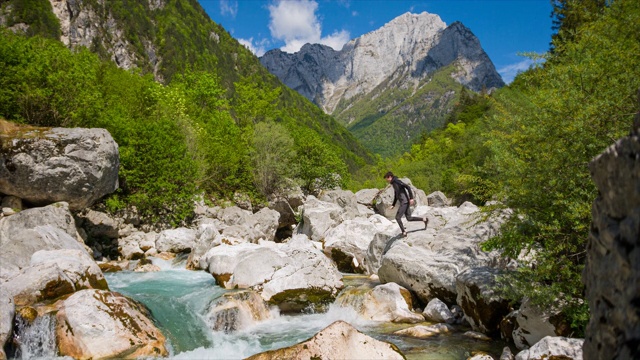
195	132
393	116
528	146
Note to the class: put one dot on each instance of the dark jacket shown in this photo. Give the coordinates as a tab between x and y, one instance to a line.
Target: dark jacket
400	191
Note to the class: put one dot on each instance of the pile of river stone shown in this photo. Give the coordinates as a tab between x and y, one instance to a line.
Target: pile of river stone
439	275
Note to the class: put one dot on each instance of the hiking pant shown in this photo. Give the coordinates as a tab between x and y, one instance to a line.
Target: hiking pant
404	210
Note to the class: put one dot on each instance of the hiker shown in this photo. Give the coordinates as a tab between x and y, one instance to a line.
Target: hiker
403	194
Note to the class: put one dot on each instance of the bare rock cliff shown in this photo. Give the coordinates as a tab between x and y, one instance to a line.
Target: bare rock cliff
410	47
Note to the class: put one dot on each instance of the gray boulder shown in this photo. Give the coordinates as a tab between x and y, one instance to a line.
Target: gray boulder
6	320
337	341
347	243
384	303
47	228
207	236
531	324
176	240
54	273
437	199
438	312
287	215
553	348
366	196
318	217
427	262
293	276
82	318
236	310
483	307
44	165
612	270
345	198
129	247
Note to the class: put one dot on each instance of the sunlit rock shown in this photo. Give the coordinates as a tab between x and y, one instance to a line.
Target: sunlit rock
551	347
337	341
236	311
45	228
48	165
83	318
423	332
384	303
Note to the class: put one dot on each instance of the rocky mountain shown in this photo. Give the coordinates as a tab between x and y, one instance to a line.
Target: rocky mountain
392	83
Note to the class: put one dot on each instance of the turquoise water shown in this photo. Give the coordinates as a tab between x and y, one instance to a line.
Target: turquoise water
178	298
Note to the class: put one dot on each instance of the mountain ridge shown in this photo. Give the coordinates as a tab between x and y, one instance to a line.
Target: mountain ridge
404	53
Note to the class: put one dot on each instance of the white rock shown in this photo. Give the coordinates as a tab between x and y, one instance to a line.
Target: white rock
236	310
437	311
75	165
284	274
366	196
532	324
176	240
84	316
423	332
47	228
385	303
337	341
320	216
6	320
551	347
129	247
348	241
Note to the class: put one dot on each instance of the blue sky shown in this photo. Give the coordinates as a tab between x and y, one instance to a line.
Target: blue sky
504	27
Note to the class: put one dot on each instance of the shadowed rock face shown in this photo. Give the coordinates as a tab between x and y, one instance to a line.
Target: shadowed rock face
612	272
43	165
414	45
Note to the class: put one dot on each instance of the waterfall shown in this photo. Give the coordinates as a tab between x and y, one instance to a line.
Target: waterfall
36	340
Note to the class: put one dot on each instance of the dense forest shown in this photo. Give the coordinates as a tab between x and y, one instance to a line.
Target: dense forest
528	145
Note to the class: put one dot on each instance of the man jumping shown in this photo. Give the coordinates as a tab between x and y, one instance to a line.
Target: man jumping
402	193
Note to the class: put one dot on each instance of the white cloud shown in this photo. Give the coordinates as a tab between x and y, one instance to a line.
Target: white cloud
510	71
354	13
258	48
296	23
229	7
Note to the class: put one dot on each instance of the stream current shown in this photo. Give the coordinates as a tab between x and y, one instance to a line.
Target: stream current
178	299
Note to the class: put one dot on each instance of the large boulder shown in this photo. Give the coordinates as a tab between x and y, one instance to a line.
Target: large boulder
54	273
46	228
286	214
100	324
337	341
318	217
530	324
176	240
612	270
98	224
554	348
236	310
438	312
345	198
427	262
129	247
207	237
437	199
367	196
385	303
47	165
292	275
261	225
6	320
348	242
483	307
